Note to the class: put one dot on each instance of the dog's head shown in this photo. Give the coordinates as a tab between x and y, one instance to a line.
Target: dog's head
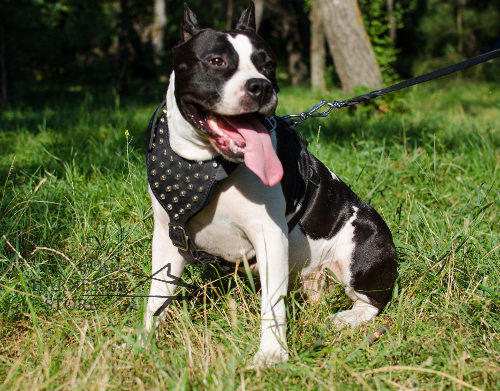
225	84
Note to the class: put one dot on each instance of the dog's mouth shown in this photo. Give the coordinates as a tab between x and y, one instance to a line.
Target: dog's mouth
240	138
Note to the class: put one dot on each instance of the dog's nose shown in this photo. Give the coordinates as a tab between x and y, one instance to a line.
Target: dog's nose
259	88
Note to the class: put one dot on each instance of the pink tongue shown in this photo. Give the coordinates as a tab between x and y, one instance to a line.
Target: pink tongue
260	157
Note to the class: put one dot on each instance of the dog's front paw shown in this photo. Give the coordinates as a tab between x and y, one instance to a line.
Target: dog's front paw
265	358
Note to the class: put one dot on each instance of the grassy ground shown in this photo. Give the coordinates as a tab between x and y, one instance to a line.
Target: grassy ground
73	196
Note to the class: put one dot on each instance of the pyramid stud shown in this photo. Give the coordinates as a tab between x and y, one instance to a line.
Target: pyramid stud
200	189
206	177
177	176
214	165
190	186
153	172
163	177
183	193
175	200
168	189
164	152
181	211
169	172
161	131
160	141
196	175
187	179
162	196
176	186
179	164
153	158
195	199
171	158
188	206
162	164
176	216
162	119
156	185
169	207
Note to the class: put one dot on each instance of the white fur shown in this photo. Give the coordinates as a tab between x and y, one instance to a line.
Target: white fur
234	90
185	140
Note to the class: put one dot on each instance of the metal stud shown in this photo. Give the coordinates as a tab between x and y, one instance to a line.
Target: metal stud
163	177
200	189
187	179
168	189
160	141
162	119
161	131
179	164
196	175
188	206
214	164
171	158
190	166
176	186
169	172
181	211
162	196
169	207
206	177
177	176
176	216
153	145
164	111
156	185
200	162
190	186
175	200
153	158
183	193
162	164
164	152
153	172
195	199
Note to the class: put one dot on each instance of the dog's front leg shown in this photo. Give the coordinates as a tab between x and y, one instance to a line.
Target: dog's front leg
167	266
271	247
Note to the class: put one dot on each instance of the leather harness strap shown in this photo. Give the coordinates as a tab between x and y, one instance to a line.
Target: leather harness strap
184	187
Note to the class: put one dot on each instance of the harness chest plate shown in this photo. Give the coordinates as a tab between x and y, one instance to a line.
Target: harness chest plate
182	187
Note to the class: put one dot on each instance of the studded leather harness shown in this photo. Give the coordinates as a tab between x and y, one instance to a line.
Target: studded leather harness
184	187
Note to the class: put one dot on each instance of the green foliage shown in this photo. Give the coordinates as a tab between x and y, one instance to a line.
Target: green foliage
73	187
377	24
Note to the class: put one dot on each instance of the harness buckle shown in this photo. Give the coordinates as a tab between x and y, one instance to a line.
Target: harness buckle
179	237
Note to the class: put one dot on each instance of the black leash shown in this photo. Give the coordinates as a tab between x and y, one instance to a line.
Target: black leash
295	119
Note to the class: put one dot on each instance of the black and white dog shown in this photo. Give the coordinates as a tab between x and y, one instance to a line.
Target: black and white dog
222	89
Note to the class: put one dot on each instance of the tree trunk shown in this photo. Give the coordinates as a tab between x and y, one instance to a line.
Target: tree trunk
158	29
123	47
317	47
229	14
392	21
349	45
3	66
259	10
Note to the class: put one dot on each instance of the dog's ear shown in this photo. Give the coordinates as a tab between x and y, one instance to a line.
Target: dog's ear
190	25
247	19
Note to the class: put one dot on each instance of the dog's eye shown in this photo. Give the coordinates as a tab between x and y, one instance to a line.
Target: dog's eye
217	61
269	66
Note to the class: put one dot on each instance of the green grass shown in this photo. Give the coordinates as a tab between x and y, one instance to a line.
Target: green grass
73	195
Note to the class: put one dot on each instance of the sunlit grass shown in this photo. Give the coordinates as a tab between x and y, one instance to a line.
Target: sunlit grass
73	191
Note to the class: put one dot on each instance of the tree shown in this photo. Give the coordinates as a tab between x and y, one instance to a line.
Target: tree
158	29
317	47
349	45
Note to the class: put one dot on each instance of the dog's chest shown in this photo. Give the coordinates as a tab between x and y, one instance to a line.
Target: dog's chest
242	207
